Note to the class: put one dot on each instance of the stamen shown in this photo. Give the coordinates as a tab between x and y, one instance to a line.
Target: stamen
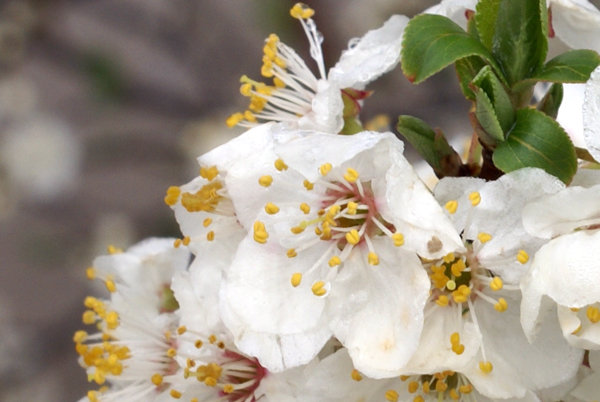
522	257
391	396
318	288
280	165
334	261
475	198
265	181
271	208
486	366
451	206
260	233
593	314
296	279
484	237
301	11
496	284
325	168
351	175
172	196
353	237
501	306
356	375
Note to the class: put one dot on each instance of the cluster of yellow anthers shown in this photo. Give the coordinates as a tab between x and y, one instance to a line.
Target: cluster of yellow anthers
104	356
439	386
347	218
209	199
588	316
276	62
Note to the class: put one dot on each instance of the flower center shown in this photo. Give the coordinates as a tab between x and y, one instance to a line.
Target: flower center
235	377
446	385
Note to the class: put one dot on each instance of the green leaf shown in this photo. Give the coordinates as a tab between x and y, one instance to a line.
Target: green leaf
497	95
520	39
485	18
574	66
486	116
551	101
431	145
432	42
466	70
537	141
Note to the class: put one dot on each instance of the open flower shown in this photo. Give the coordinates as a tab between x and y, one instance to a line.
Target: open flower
334	225
304	101
134	349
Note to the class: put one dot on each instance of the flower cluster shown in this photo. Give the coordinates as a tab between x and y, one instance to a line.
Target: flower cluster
317	266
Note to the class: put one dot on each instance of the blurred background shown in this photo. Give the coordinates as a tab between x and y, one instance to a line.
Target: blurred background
106	103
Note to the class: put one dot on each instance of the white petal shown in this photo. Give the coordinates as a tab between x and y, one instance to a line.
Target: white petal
576	23
380	313
588	389
326	113
567	269
591	112
571	208
372	55
578	335
453	9
518	365
586	178
570	115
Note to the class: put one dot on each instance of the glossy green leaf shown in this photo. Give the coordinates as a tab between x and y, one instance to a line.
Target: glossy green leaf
487	118
502	105
485	18
432	42
551	101
466	70
574	66
539	141
520	39
431	145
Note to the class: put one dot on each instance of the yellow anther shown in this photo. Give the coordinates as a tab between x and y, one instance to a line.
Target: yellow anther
246	89
465	389
297	229
175	394
496	284
186	241
198	344
171	352
114	250
351	175
157	379
304	207
418	398
442	301
484	237
458	267
234	119
291	253
207	222
210	381
522	257
308	185
265	180
280	165
404	377
451	206
318	288
228	389
486	367
177	243
212	339
593	314
99	377
110	286
92	396
458	349
373	258
576	330
449	258
181	330
210	236
260	233
334	261
278	82
450	285
353	237
172	196
455	338
351	208
453	395
248	115
90	273
325	168
574	309
398	239
194	399
271	208
391	395
356	375
296	279
461	294
302	11
475	198
209	173
112	320
190	363
80	336
413	387
440	386
426	387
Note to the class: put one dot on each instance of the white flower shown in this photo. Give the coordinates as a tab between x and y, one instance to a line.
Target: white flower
565	271
137	340
213	368
472	324
334	223
588	389
304	101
